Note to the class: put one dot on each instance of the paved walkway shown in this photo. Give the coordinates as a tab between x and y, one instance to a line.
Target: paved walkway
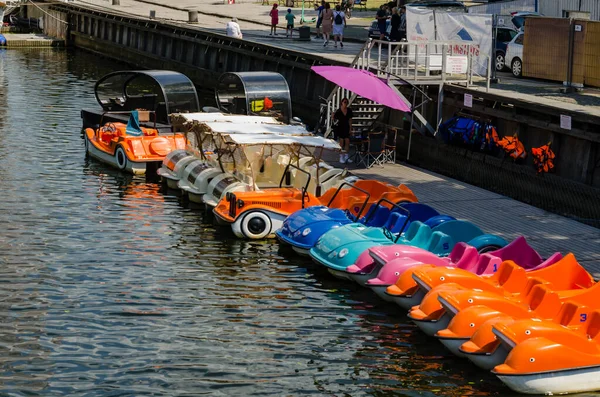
497	214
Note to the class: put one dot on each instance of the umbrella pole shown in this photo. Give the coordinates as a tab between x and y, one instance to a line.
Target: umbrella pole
412	121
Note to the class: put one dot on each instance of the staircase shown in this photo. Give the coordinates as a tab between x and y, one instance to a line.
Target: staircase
418	63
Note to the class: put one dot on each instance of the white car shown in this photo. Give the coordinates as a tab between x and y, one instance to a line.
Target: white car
514	55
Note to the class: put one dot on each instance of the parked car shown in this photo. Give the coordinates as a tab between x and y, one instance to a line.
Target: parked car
449	6
518	18
503	37
374	30
514	54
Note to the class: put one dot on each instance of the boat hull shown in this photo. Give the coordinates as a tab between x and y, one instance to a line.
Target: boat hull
138	168
554	382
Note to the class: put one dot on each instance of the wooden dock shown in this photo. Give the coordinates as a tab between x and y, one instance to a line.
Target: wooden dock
20	40
497	214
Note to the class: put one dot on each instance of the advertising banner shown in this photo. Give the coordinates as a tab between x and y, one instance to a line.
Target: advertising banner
427	25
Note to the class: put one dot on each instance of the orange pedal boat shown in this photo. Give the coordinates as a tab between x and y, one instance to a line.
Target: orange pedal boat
561	361
130	147
495	338
510	286
259	214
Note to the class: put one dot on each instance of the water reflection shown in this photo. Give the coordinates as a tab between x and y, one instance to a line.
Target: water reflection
112	286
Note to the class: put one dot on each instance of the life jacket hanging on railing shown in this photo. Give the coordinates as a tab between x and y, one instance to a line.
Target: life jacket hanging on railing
543	158
490	139
513	147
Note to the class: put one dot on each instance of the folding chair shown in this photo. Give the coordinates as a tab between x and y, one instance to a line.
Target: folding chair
390	145
374	151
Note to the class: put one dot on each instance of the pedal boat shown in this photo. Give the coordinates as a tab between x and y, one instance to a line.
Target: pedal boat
409	289
510	283
258	214
129	147
496	337
565	361
372	261
514	293
303	228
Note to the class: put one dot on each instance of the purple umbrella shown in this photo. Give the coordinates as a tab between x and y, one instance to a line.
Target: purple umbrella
363	83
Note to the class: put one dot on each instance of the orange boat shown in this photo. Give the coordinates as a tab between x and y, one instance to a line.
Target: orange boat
259	214
509	286
130	147
562	360
542	301
495	338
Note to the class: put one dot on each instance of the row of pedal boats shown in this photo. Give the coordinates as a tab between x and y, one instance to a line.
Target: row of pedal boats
534	323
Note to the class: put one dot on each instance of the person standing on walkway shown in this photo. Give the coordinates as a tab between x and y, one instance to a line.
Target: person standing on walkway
289	17
342	127
395	22
274	14
402	23
381	17
319	9
233	28
327	24
339	22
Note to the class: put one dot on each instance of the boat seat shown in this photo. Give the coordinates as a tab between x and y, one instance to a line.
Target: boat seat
568	312
543	301
421	236
461	254
459	230
394	223
593	327
439	243
380	215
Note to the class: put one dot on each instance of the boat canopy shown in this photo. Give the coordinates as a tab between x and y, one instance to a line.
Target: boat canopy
245	155
232	118
160	91
255	93
272	139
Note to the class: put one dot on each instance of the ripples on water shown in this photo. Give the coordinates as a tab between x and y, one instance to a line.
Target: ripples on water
111	287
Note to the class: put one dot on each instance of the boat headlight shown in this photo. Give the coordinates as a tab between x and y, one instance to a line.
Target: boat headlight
343	252
306	232
240	203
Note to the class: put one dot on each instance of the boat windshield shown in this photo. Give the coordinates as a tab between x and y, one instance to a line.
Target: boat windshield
159	91
255	93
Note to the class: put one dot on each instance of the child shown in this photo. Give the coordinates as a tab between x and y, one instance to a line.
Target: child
274	14
289	17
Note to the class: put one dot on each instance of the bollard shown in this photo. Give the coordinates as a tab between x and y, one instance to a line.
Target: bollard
152	14
116	2
193	16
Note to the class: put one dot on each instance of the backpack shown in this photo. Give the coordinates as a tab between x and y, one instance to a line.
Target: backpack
338	19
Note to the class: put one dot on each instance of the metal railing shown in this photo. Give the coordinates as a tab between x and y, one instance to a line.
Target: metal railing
431	62
335	98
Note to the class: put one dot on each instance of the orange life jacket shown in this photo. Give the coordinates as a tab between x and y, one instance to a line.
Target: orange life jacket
513	147
543	158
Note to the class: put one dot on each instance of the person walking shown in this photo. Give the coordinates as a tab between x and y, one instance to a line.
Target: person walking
395	22
342	127
289	17
319	9
327	24
339	22
233	28
381	17
274	14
